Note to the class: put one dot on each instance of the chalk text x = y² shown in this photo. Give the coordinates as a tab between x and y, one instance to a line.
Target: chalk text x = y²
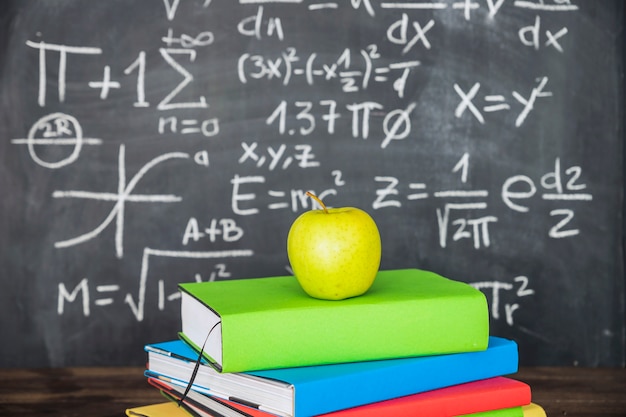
124	194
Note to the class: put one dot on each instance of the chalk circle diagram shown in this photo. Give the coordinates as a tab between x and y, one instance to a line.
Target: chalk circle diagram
56	129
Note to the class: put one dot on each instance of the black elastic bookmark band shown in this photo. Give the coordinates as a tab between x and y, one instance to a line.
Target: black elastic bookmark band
183	406
195	369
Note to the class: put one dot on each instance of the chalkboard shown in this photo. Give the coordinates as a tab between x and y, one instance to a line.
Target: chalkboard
147	143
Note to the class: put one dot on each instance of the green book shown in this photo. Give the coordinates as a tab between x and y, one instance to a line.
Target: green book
267	323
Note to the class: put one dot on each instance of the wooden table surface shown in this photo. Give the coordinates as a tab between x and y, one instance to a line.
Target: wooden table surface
102	392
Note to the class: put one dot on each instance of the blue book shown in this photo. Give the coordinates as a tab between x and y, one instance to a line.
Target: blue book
312	390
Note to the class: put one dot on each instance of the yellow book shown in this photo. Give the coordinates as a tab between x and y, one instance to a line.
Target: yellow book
533	410
168	409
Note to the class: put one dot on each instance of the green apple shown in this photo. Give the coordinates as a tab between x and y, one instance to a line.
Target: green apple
334	252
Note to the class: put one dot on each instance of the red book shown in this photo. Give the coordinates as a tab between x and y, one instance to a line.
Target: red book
473	397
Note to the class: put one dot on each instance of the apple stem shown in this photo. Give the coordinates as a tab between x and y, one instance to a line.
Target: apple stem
316	198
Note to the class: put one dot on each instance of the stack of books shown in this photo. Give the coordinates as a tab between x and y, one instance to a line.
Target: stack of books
416	344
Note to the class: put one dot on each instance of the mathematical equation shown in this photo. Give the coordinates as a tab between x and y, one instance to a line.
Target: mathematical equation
504	298
348	79
88	296
355	70
558	185
403	31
